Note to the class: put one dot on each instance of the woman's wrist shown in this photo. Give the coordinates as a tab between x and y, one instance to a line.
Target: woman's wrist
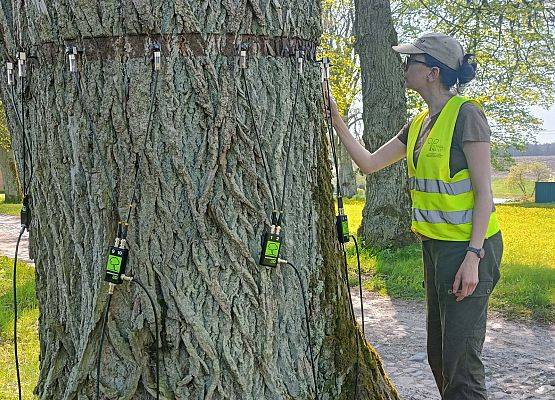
337	120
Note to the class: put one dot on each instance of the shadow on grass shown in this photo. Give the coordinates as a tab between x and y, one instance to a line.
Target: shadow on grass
525	292
397	273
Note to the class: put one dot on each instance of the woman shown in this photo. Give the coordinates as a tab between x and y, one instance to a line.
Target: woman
447	148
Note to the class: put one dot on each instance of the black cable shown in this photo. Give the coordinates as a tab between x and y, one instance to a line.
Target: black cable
257	134
290	135
104	321
12	98
359	284
329	121
24	135
332	142
20	121
15	312
139	158
312	364
157	337
346	272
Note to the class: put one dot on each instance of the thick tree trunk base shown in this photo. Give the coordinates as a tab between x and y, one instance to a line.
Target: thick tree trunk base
230	329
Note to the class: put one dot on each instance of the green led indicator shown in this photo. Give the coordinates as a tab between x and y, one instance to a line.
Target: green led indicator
114	264
345	227
272	249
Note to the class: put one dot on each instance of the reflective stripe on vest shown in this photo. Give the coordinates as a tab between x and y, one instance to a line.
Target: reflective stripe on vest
442	203
445	217
437	186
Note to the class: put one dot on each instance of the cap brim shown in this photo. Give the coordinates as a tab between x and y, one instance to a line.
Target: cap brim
407	49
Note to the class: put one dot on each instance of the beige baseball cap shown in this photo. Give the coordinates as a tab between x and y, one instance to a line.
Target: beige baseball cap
443	48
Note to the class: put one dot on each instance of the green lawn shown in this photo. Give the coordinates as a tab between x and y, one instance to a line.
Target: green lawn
28	342
11	209
527	286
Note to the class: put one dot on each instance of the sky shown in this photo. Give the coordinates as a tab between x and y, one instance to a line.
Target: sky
548	116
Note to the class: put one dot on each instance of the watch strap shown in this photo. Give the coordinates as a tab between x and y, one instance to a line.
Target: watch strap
476	251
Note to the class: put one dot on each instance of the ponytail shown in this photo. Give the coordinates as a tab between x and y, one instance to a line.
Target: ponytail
467	70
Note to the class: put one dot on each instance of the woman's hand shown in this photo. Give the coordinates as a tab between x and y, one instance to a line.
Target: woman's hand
467	277
334	109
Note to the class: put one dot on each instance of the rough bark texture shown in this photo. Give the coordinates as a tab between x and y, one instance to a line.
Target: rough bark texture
11	186
386	215
229	328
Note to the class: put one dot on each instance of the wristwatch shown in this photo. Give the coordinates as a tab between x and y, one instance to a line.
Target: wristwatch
479	252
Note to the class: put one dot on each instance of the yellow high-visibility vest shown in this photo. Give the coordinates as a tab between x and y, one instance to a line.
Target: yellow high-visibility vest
441	206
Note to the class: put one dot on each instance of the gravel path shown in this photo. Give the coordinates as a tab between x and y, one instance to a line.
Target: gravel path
519	357
9	231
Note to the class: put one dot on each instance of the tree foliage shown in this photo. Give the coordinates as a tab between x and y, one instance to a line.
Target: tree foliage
514	45
338	43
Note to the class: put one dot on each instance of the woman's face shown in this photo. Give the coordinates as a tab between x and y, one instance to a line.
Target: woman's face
417	73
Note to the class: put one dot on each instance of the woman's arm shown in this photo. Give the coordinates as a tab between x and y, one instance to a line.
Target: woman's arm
479	164
391	152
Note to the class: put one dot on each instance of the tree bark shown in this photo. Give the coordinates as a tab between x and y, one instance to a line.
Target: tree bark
386	215
230	329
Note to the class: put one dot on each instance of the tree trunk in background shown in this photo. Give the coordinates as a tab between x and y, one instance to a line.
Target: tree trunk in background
346	171
12	189
229	328
386	215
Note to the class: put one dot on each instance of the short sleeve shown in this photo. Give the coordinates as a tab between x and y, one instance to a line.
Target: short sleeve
403	134
472	125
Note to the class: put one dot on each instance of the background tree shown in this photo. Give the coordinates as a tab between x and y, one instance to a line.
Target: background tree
386	215
514	44
12	189
230	329
338	45
521	173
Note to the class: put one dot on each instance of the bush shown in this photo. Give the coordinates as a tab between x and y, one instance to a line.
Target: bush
519	173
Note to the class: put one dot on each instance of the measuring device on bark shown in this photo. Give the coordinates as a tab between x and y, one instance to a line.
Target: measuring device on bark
272	238
341	220
118	255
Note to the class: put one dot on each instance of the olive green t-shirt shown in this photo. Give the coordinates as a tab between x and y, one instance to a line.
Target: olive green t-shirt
471	126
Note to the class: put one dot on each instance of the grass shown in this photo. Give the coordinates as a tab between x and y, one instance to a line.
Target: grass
10	209
527	286
27	334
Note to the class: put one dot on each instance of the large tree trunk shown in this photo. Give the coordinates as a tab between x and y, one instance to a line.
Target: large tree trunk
386	215
230	329
12	189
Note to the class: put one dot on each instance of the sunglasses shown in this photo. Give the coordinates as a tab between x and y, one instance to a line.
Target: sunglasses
408	61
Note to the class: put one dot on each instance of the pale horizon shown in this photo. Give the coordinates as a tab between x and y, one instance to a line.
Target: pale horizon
548	117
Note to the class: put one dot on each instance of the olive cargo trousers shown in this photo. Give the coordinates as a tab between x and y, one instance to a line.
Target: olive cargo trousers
456	331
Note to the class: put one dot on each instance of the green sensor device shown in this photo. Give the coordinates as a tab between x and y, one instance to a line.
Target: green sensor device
115	267
271	245
342	225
